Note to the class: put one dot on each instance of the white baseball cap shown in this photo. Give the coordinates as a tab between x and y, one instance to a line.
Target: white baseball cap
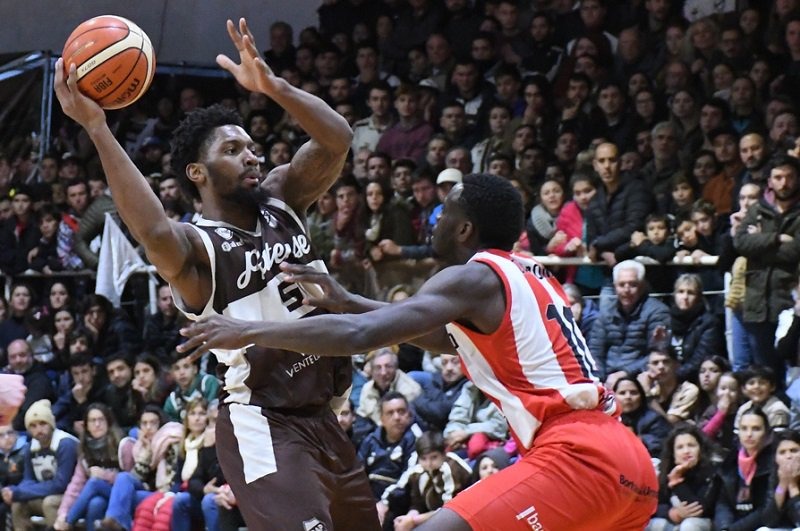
450	175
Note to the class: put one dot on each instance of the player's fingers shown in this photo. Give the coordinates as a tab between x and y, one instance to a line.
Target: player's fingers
225	62
197	354
233	34
245	29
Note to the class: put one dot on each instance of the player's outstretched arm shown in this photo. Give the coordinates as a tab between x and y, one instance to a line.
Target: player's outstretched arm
166	243
317	163
448	296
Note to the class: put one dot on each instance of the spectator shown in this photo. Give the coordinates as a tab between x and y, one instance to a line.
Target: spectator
190	384
760	386
695	331
745	475
111	330
160	335
12	464
488	463
20	361
689	486
149	384
98	464
656	174
409	136
657	245
367	132
78	391
385	377
13	326
767	237
541	227
389	451
617	210
637	414
436	478
119	392
676	400
719	189
621	334
439	394
49	464
475	424
19	233
783	508
717	422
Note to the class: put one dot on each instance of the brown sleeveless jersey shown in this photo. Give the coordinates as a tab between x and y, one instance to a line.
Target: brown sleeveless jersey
248	284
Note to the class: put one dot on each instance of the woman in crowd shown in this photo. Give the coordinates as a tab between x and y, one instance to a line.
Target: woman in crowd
745	475
688	484
647	423
497	120
569	238
707	377
783	508
98	465
173	472
695	330
150	384
542	221
59	298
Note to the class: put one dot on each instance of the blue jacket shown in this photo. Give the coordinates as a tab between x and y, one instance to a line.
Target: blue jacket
433	406
47	470
619	341
385	462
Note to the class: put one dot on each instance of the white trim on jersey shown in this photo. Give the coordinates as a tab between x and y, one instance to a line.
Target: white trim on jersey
289	210
254	439
208	310
203	222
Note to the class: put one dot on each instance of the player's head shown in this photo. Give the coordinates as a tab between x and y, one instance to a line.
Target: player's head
211	151
484	211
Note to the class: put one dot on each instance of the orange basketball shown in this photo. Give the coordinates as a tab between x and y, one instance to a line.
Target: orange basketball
115	60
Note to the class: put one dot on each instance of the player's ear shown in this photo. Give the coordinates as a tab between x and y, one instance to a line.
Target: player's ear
196	172
466	231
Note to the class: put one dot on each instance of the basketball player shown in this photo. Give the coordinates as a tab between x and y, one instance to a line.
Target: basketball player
510	322
279	444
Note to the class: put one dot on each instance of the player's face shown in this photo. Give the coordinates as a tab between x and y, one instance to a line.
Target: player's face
687	450
444	233
232	166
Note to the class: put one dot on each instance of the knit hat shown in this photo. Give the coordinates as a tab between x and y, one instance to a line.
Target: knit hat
40	411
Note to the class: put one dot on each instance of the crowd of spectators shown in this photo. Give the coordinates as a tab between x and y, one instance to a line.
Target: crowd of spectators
657	139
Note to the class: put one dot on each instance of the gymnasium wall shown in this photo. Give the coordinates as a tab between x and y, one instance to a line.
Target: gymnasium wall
191	31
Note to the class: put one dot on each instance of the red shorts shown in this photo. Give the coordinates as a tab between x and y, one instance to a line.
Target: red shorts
586	471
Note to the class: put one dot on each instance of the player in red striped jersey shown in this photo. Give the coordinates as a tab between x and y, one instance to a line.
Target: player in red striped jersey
510	322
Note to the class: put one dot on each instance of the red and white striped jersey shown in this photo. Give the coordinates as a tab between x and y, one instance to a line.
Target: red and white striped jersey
536	364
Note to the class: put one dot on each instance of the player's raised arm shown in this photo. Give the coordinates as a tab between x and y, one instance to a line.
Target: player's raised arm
318	162
166	243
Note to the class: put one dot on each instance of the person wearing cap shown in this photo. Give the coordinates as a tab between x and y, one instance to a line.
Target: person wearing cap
49	463
19	233
445	181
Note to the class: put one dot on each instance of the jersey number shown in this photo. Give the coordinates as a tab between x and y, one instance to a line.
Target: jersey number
571	332
291	295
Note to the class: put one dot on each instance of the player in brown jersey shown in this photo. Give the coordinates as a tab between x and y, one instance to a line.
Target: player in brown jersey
279	444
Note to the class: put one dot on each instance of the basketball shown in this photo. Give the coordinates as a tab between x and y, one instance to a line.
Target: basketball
114	58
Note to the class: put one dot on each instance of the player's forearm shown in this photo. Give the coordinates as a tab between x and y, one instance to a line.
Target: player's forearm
323	124
137	204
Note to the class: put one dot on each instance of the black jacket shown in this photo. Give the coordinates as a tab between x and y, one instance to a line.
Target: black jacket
610	220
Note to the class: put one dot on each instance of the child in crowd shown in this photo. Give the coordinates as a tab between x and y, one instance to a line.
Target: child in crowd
436	478
656	244
718	420
190	384
759	387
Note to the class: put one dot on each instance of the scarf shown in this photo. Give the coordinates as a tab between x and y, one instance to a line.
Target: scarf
192	446
543	222
682	319
747	471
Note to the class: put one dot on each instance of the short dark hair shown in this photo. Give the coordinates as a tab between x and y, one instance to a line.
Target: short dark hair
193	136
79	360
392	395
119	356
495	206
760	371
430	441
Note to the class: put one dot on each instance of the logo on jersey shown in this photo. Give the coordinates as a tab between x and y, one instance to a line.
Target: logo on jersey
224	233
530	516
269	218
314	525
263	260
228	246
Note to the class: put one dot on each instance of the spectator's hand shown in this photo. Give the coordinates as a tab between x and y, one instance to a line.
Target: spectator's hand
95	471
558	238
574	245
252	72
80	393
725	401
736	220
137	386
675	476
754	229
375	253
211	487
698	65
646	380
33	253
688	510
382	510
225	498
12	394
390	248
637	238
77	427
405	522
785	238
456	439
61	524
83	110
8	495
320	289
592	253
697	256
